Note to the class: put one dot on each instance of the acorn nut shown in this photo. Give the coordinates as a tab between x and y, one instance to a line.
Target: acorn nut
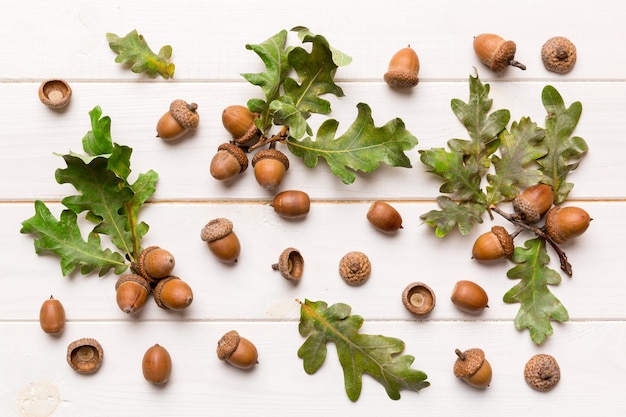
237	351
155	264
493	245
290	264
131	292
291	204
55	94
469	297
418	298
384	217
52	316
85	355
156	365
472	367
181	118
403	69
221	239
558	54
564	223
172	293
533	202
229	161
270	166
542	372
495	52
239	122
355	268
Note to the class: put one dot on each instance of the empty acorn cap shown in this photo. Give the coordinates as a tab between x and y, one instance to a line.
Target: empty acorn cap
185	114
55	94
216	229
418	298
85	355
290	264
355	268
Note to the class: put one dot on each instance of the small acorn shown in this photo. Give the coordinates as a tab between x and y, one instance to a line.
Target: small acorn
533	202
384	217
229	161
493	245
291	204
172	293
558	54
52	316
221	239
472	367
155	263
85	355
237	351
469	297
564	223
495	52
542	372
181	118
131	292
156	365
270	166
290	264
403	69
239	122
355	268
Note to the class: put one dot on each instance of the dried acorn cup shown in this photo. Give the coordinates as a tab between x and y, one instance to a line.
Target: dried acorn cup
55	94
237	351
221	239
290	264
472	367
418	298
85	355
181	118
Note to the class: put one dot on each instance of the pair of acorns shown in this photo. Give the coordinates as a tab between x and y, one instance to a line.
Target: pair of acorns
152	275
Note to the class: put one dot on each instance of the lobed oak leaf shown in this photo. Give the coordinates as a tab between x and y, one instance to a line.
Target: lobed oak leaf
133	50
452	214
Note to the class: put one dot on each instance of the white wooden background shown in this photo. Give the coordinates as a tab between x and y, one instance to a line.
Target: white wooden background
66	39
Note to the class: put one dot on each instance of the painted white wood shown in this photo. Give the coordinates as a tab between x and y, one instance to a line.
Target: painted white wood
66	39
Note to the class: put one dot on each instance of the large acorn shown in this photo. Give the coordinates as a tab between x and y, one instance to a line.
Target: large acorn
181	118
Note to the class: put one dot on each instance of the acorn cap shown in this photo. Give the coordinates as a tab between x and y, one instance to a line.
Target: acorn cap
503	56
133	278
355	268
227	344
558	55
542	372
55	94
468	362
185	114
270	154
216	229
418	298
290	264
237	152
85	355
505	240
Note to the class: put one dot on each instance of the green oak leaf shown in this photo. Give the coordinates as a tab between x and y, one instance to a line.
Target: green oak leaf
459	180
564	151
339	58
537	304
518	148
63	238
375	355
133	50
362	147
462	215
287	113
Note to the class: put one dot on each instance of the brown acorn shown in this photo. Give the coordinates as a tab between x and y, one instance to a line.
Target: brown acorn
564	223
492	245
472	367
52	316
495	52
533	202
403	69
131	292
291	204
469	297
157	365
221	239
155	263
229	161
237	351
384	217
239	122
172	293
181	118
270	166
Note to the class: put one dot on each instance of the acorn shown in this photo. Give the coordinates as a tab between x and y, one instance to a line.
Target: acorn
172	293
237	351
270	166
472	367
403	69
290	264
85	355
384	217
492	245
52	316
131	292
155	263
469	297
156	365
355	268
558	54
542	372
533	203
239	121
181	118
221	239
229	161
564	223
495	52
291	204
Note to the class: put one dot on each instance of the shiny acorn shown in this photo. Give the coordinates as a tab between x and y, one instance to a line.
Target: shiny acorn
291	204
229	161
469	297
237	351
270	166
221	239
172	293
403	69
131	292
239	122
496	52
564	223
155	263
181	118
492	245
384	217
156	365
52	316
532	203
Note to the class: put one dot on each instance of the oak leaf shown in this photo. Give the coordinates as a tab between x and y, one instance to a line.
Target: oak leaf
133	50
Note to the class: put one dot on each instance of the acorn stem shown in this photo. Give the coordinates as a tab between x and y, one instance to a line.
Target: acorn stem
275	267
460	354
517	64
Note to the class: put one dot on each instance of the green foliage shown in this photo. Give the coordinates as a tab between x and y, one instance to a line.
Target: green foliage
133	50
375	355
109	200
289	101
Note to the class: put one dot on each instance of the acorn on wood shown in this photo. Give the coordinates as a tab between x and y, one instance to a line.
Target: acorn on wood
418	298
52	316
290	264
542	372
172	293
469	297
155	263
564	223
229	161
221	239
270	166
403	69
85	355
131	292
237	350
558	54
472	367
156	365
239	122
496	52
291	204
384	217
492	245
355	268
181	118
531	204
